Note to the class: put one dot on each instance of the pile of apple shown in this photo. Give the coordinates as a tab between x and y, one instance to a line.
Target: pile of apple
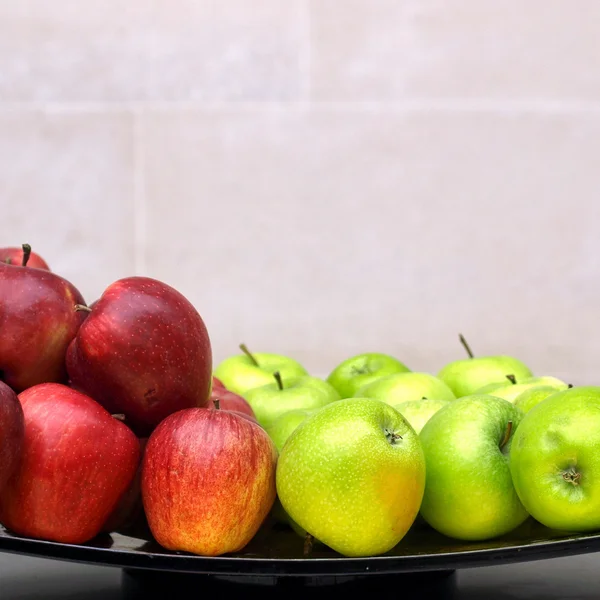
112	412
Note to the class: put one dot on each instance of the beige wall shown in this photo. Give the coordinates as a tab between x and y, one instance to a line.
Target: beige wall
320	178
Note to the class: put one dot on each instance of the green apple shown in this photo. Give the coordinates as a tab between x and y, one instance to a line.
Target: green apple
402	387
242	372
280	516
357	371
469	494
352	475
418	412
555	460
529	398
466	376
274	399
281	428
511	388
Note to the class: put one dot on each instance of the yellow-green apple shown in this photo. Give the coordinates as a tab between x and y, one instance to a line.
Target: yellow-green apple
466	376
529	398
418	412
279	431
352	475
208	481
77	462
274	399
242	372
357	371
144	352
38	323
555	460
469	494
22	256
12	433
403	387
511	387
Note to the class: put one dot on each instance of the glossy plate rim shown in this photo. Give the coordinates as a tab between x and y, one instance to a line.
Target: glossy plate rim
131	559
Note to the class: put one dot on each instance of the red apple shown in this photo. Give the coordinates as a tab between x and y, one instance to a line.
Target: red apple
129	509
23	256
38	321
244	415
77	462
143	351
217	383
12	433
208	481
231	401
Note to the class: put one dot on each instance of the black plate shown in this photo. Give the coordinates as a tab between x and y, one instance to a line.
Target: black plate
276	551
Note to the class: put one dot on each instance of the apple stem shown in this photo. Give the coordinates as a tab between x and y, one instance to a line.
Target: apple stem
82	308
512	379
570	386
308	544
249	354
278	379
26	254
8	261
507	433
572	476
118	416
466	346
392	437
217	403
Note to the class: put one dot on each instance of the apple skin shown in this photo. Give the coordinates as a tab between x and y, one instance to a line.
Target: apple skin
231	401
402	387
143	351
526	400
510	391
77	462
12	433
239	413
208	481
14	256
418	412
555	460
466	376
283	426
270	402
469	494
359	370
345	476
129	509
217	383
39	320
239	374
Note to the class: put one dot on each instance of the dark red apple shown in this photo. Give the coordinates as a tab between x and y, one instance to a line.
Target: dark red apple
12	433
208	481
129	510
38	320
77	462
143	351
23	256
